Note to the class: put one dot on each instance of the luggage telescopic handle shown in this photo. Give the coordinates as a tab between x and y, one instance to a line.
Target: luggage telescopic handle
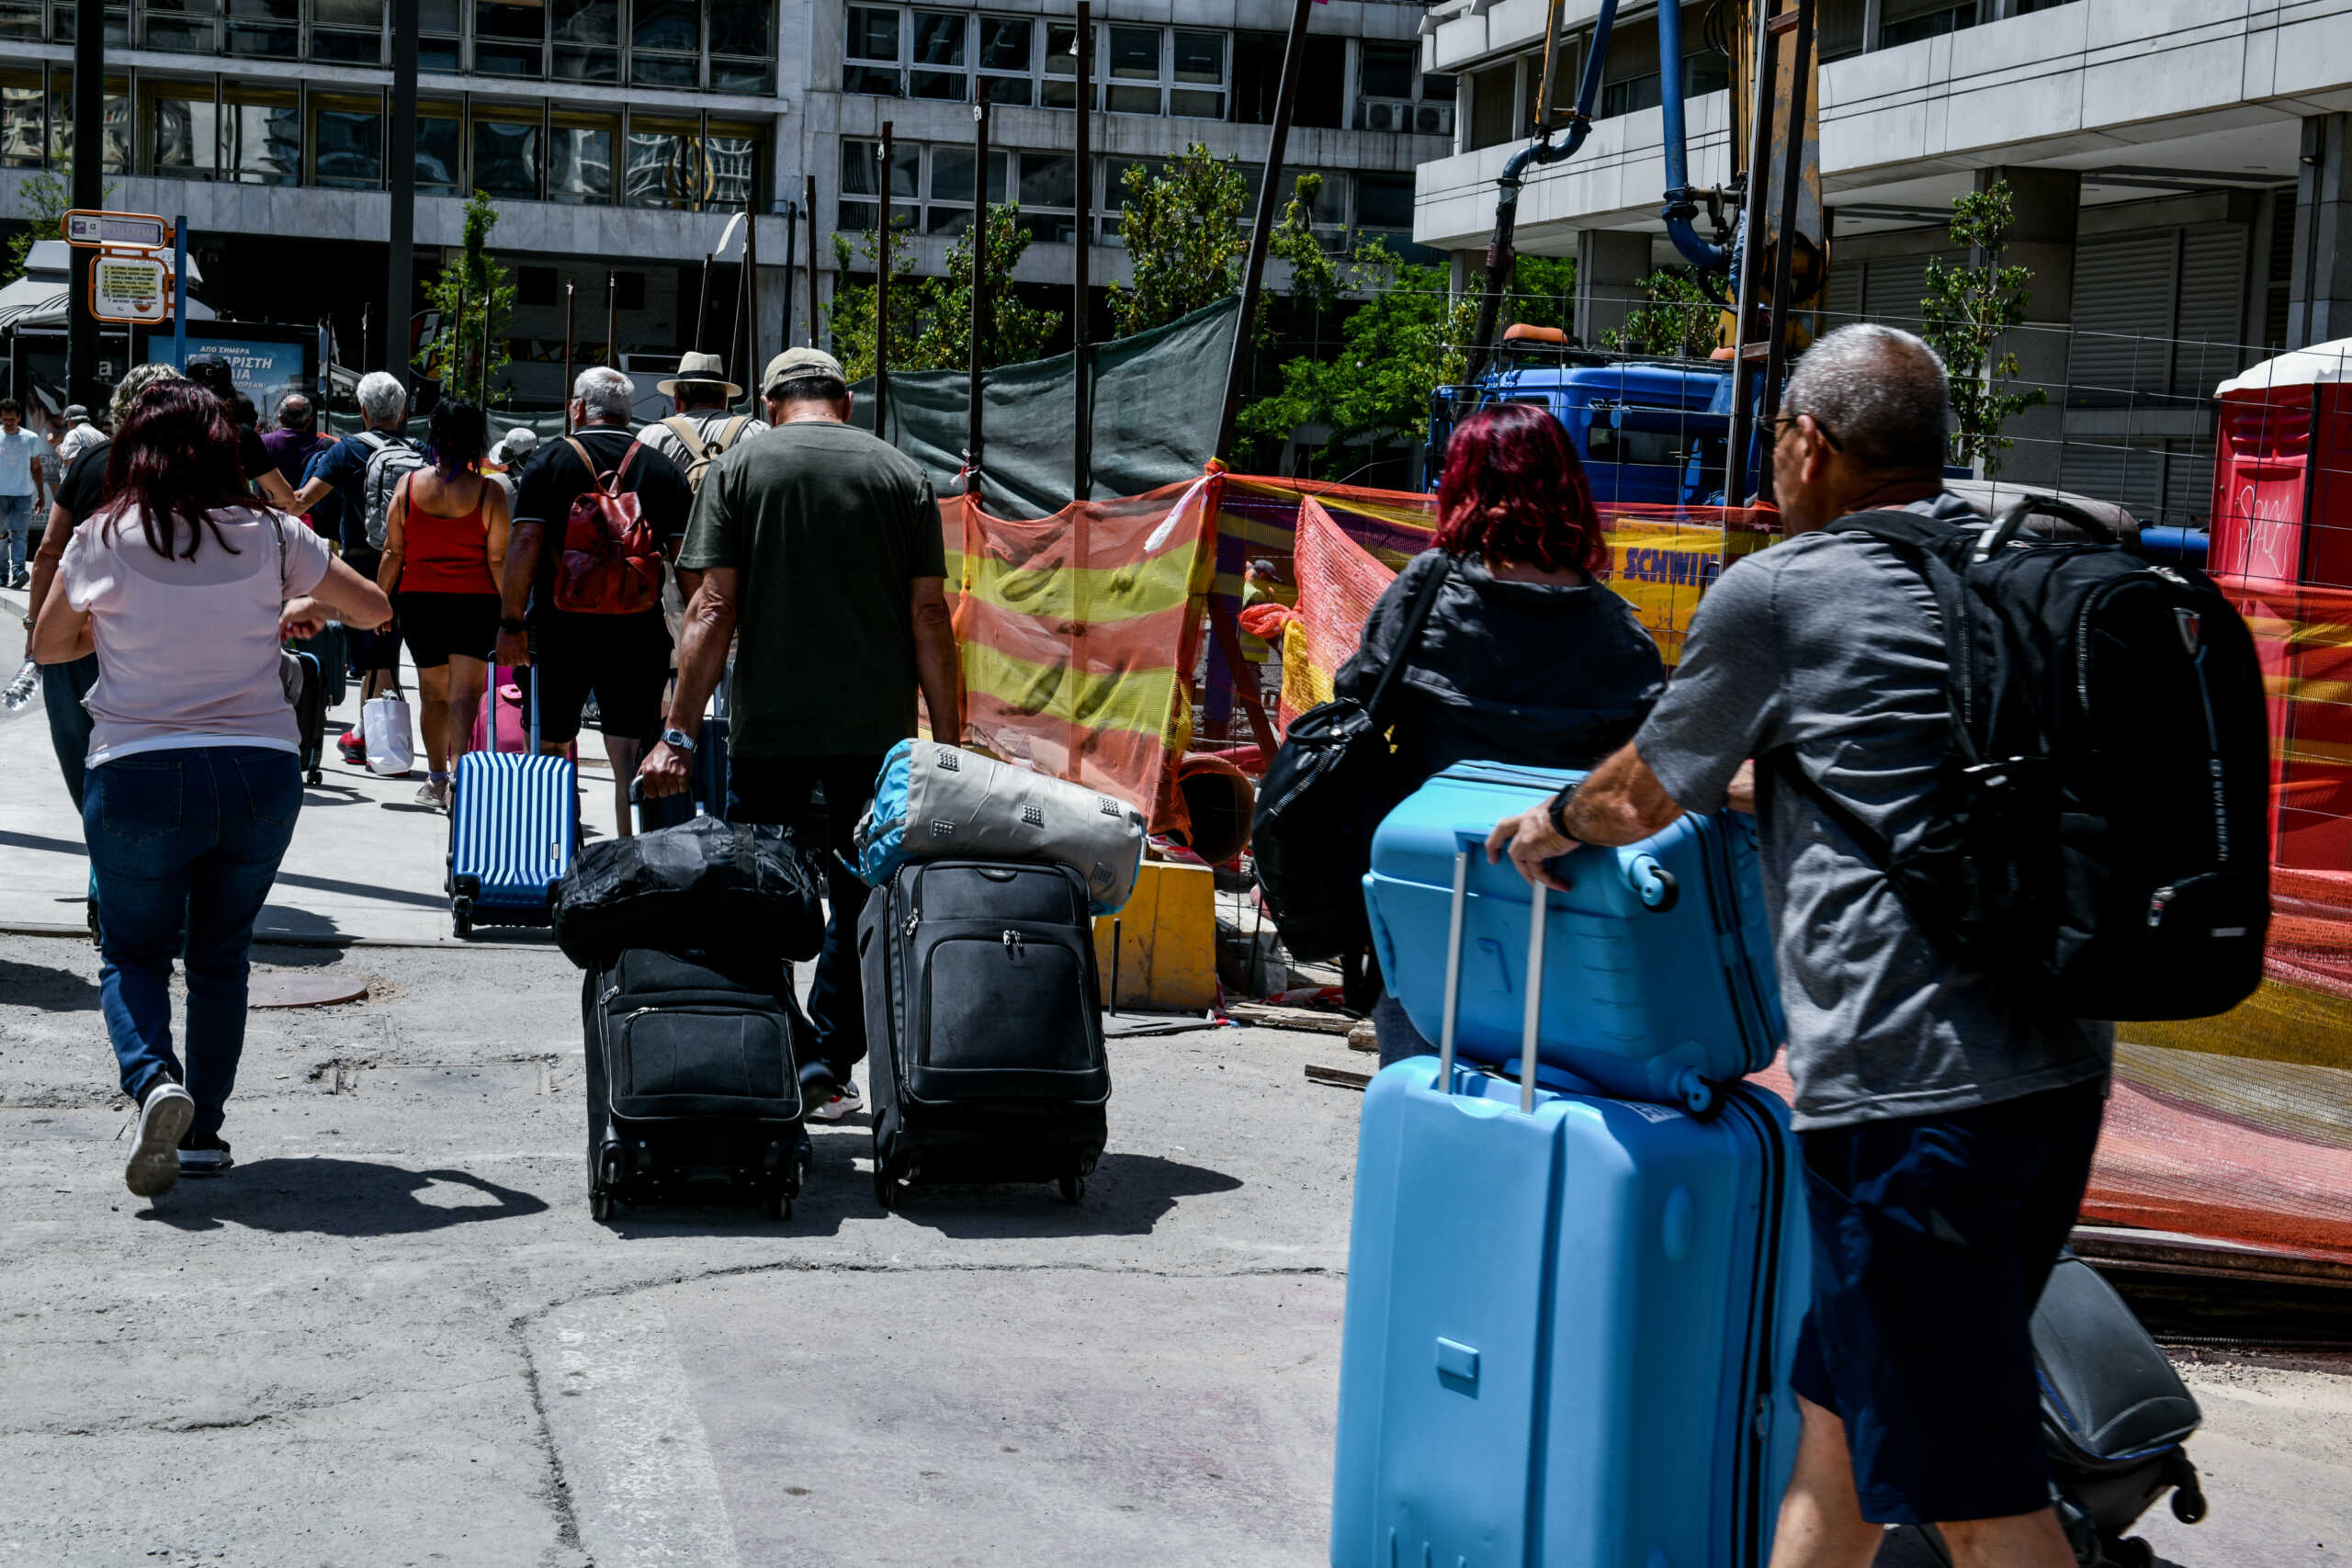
1536	912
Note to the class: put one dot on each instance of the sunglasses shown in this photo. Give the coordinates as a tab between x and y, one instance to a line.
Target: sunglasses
1785	420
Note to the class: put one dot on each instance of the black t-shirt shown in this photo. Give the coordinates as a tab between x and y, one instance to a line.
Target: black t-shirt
252	454
556	475
85	477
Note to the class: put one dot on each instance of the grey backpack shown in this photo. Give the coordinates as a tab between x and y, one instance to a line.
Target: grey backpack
391	459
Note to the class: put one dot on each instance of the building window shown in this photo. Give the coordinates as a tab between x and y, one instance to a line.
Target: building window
1133	79
264	29
190	26
20	20
938	64
1007	73
440	44
948	209
860	207
440	147
1396	96
873	50
1049	196
1057	88
23	131
346	141
684	164
586	39
510	37
580	157
347	31
1908	21
260	134
1197	86
666	45
178	131
506	151
116	158
1384	212
742	46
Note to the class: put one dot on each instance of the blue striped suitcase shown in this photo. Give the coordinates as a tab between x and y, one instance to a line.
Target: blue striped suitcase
514	828
1658	981
1569	1324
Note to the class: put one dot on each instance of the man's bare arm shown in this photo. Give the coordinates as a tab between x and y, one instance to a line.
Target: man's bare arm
45	559
523	543
312	493
1620	802
702	655
938	670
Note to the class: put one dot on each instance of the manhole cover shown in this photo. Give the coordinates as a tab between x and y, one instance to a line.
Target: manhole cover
302	990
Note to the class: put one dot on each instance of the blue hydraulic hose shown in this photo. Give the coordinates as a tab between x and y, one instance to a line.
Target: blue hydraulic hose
1680	209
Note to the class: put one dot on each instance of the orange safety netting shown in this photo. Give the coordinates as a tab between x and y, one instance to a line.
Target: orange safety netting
1084	637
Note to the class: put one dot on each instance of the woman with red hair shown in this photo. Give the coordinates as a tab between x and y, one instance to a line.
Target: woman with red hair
1526	656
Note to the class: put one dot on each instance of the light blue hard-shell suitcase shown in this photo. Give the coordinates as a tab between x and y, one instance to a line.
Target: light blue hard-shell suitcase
1569	1325
514	830
1658	982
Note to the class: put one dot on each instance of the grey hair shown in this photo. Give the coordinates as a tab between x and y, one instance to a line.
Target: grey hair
1879	392
605	393
135	380
383	397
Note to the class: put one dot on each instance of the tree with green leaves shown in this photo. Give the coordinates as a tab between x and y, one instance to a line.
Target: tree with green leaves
1186	231
45	199
1678	320
1963	315
476	300
850	320
1406	337
1012	330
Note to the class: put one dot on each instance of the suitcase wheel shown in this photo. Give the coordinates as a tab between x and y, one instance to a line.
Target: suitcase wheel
317	777
600	1205
461	917
779	1205
885	1187
1072	1183
2131	1552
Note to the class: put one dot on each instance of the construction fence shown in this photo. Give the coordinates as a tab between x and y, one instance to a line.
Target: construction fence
1090	651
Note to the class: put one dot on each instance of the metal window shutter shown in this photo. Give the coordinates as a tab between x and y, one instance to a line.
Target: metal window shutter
2212	303
1842	300
1894	287
2121	349
2131	476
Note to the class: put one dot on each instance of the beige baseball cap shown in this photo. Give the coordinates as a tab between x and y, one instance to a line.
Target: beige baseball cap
797	364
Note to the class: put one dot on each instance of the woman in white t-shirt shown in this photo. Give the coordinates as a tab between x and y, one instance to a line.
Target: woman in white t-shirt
184	588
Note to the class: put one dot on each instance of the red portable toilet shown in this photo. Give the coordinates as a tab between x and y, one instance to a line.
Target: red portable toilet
2282	546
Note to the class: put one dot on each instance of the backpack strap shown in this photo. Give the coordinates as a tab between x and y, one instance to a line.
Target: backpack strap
1416	618
698	449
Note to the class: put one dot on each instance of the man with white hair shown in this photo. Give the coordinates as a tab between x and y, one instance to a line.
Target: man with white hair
1947	1121
622	659
333	492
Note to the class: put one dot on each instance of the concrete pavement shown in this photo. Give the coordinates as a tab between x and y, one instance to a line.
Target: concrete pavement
394	1337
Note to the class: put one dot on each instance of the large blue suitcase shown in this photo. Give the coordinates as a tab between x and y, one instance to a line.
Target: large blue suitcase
1658	978
1569	1325
514	830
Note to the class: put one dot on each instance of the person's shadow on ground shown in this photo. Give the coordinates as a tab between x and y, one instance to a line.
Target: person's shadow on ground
339	1197
51	990
1127	1195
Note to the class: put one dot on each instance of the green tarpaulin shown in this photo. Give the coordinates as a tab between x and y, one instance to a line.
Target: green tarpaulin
1157	398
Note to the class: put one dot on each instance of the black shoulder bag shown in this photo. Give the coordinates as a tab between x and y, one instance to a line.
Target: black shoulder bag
1325	791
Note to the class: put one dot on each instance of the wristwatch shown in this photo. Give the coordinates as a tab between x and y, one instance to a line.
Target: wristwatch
512	628
677	740
1556	808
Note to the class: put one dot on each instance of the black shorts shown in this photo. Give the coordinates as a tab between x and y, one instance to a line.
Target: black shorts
624	659
439	624
1932	1237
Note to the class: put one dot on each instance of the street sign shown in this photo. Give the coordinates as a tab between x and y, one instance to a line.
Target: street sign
125	287
132	230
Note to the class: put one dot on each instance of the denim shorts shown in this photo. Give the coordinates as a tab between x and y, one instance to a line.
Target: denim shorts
1932	1237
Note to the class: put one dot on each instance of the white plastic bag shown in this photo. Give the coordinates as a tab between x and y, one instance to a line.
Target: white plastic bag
384	726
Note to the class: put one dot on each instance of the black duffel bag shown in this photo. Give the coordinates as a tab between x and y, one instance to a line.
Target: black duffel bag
1325	791
702	887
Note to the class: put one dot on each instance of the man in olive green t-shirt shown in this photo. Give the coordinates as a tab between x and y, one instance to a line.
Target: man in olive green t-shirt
822	544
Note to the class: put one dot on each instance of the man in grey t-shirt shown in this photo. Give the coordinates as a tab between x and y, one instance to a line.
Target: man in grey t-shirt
1947	1127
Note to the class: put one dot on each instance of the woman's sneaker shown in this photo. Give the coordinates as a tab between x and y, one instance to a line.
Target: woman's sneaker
204	1155
154	1162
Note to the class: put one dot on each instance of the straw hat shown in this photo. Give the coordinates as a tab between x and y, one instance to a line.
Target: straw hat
698	370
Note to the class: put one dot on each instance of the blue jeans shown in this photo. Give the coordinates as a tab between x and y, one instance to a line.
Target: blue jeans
17	516
186	845
62	687
783	791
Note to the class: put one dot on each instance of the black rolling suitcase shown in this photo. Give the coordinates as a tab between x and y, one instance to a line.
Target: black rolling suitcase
310	699
692	1082
984	1026
2115	1418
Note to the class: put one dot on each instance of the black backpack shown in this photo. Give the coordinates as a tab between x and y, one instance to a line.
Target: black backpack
2100	836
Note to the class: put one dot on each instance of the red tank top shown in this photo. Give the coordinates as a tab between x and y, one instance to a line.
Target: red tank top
445	555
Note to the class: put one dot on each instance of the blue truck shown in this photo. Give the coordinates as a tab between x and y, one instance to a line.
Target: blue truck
1647	430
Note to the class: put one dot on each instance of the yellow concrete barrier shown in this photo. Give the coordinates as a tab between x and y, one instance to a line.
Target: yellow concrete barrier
1166	959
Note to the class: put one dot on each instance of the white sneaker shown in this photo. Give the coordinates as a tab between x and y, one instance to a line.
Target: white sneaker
164	1118
846	1102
